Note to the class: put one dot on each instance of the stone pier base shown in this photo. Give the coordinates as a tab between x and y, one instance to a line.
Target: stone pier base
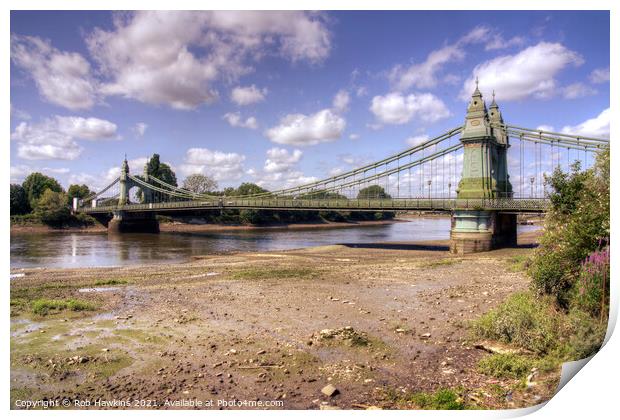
479	231
123	222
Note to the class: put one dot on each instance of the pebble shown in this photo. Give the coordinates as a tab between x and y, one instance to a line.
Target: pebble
330	390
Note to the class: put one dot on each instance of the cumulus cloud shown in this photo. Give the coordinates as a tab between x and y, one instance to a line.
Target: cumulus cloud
62	78
577	90
19	172
395	108
55	138
599	75
497	42
19	114
281	160
304	130
341	101
103	179
236	120
593	127
175	57
247	95
219	165
529	73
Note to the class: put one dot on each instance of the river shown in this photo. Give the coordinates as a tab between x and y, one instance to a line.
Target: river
74	250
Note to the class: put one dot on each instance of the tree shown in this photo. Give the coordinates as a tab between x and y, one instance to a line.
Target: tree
36	183
373	191
19	200
79	191
199	184
248	188
161	171
52	208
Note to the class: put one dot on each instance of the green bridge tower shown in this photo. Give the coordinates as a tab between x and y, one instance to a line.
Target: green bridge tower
485	175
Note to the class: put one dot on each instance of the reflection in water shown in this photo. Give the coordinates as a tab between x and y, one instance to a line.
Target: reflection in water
101	249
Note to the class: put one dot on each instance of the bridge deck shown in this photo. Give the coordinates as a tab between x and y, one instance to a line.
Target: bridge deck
497	204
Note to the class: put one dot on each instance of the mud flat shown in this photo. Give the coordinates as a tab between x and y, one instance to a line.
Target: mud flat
276	327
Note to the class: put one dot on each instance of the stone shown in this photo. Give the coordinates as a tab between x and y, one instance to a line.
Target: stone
425	336
330	407
330	390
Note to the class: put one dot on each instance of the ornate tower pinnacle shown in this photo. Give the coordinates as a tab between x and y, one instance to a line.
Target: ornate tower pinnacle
477	120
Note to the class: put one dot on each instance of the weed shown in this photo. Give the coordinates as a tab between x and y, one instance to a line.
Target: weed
442	399
260	273
110	282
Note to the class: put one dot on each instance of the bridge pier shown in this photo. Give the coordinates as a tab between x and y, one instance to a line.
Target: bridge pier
125	222
484	176
479	231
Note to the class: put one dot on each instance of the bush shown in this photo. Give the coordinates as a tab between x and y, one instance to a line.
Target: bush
574	227
506	365
584	335
522	320
83	219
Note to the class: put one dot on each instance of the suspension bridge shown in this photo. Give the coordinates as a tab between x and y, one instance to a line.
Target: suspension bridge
466	171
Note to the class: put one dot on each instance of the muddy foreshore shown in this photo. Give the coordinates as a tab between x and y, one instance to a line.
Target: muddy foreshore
267	330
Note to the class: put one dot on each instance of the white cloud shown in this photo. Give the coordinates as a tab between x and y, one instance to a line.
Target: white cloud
354	136
19	114
577	90
593	127
103	179
281	160
235	120
19	172
55	138
247	95
219	165
175	57
599	75
497	42
417	140
304	130
62	78
395	108
545	127
424	75
529	73
140	128
341	101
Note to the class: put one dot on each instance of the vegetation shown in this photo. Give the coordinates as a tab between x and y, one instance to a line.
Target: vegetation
506	365
442	399
563	316
19	200
160	170
35	185
199	184
79	191
263	273
52	208
45	306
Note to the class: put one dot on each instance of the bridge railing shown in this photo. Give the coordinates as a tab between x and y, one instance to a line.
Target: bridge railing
447	204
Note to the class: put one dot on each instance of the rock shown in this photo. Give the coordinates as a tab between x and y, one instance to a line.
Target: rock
373	407
425	336
330	407
105	350
261	352
400	330
330	390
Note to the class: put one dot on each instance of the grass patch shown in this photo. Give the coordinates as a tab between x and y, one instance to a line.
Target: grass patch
260	273
523	320
518	263
45	306
110	282
506	365
440	263
442	399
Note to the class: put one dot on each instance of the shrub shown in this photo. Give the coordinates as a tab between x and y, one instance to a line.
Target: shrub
522	320
52	208
84	219
584	335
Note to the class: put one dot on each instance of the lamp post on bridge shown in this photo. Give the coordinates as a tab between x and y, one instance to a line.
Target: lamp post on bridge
532	180
429	182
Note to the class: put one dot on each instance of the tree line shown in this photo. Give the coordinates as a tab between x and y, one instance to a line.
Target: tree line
41	199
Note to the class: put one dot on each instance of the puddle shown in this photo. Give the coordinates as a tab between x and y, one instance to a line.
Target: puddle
17	275
28	327
98	289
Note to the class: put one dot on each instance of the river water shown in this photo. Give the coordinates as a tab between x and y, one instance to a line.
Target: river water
70	250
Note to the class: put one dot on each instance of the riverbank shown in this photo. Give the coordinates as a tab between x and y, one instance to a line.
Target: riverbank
377	322
188	228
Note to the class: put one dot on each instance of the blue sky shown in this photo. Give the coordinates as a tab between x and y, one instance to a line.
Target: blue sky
282	98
